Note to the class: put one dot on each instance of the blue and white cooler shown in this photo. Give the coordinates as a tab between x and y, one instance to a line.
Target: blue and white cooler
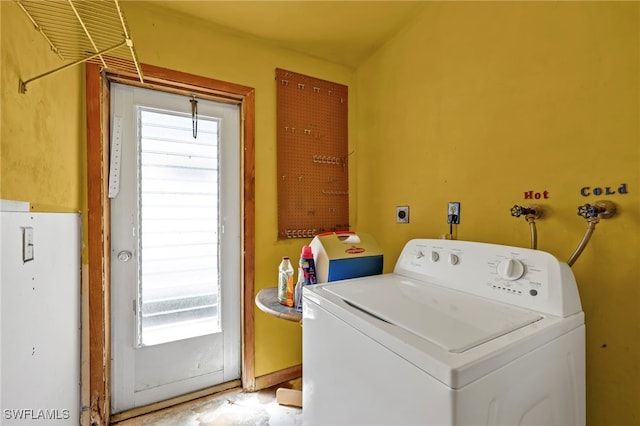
345	254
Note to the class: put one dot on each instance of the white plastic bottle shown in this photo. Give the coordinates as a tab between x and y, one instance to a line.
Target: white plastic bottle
285	282
298	291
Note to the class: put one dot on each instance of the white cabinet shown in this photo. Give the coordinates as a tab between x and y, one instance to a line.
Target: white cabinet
40	318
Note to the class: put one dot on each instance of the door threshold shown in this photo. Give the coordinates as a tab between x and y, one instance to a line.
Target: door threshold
140	411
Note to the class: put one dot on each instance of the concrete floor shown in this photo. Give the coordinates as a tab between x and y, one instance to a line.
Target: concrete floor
231	408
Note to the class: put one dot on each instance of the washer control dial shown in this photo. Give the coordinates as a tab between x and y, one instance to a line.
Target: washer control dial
453	259
511	269
434	256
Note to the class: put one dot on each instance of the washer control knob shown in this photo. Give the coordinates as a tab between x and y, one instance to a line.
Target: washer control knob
435	256
453	259
511	269
419	254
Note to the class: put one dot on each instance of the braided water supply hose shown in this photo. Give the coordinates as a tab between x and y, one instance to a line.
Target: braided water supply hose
593	214
531	213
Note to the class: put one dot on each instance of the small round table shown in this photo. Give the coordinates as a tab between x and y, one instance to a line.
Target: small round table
267	301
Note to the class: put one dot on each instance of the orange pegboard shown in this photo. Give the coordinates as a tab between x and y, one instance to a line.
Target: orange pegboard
313	172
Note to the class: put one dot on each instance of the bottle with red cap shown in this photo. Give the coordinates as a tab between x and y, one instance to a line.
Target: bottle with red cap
308	266
306	274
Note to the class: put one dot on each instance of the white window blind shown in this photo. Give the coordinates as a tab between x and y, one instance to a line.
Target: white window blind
179	210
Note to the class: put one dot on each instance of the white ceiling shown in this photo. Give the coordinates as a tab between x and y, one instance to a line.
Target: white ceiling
345	32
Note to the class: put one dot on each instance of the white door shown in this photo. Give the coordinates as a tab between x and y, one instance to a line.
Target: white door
175	237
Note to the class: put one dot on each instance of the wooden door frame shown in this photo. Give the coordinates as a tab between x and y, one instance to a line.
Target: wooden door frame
98	220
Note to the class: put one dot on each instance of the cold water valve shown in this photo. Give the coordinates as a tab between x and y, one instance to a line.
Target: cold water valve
600	209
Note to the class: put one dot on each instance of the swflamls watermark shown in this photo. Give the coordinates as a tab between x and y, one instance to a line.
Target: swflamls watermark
36	414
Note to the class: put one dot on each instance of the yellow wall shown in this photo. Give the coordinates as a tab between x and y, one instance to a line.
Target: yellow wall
482	102
470	102
42	153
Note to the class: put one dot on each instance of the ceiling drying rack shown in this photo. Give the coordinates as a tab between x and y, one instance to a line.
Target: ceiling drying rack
81	31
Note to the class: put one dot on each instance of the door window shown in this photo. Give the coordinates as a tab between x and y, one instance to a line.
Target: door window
179	281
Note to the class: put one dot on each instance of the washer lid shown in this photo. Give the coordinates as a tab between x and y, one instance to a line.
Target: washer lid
450	319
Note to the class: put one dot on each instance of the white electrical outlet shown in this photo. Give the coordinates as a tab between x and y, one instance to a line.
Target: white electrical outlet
453	213
402	214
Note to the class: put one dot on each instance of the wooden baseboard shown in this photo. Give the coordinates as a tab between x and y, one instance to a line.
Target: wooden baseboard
278	377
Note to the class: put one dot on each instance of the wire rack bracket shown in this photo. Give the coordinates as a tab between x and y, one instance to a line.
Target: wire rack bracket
80	31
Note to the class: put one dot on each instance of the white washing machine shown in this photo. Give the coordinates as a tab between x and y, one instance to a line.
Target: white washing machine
461	333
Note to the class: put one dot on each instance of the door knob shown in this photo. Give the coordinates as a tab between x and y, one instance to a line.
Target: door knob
124	256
